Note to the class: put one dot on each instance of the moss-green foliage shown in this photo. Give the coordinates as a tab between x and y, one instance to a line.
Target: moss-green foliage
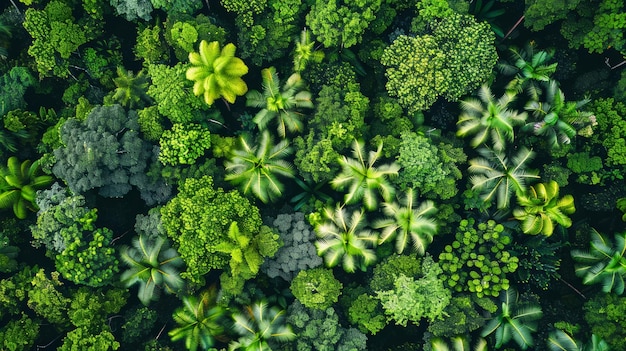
138	323
46	299
133	9
606	315
19	335
321	330
540	13
412	299
597	25
173	93
197	220
586	167
13	85
416	72
183	144
183	33
611	129
367	314
173	7
316	288
462	316
538	261
478	260
8	255
14	291
341	23
244	9
339	119
386	270
151	47
150	123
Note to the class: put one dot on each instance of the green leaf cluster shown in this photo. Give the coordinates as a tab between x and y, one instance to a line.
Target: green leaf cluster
606	315
478	260
19	182
183	33
611	129
19	335
183	144
316	288
197	220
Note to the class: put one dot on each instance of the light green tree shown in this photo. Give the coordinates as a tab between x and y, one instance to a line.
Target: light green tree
408	223
344	239
489	119
19	182
282	105
259	326
131	90
199	321
363	179
217	72
255	169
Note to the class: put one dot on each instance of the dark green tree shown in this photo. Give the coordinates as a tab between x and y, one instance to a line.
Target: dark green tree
199	321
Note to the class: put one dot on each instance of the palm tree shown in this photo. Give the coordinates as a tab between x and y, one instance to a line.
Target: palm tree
19	183
498	176
153	265
363	179
344	239
304	52
489	118
131	91
407	223
245	258
515	320
199	321
542	207
217	73
530	67
256	169
555	118
5	35
561	341
459	343
258	326
604	263
280	105
310	194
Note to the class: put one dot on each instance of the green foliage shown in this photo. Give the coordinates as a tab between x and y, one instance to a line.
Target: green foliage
82	339
259	326
406	223
385	271
14	291
132	9
540	13
245	10
412	299
459	343
611	129
217	72
151	47
131	90
541	207
363	179
138	323
8	253
199	321
183	144
366	312
89	308
463	316
150	123
19	182
298	252
478	260
197	220
415	72
339	23
153	265
606	315
46	300
489	118
515	319
305	53
172	93
280	105
530	67
562	341
316	288
539	261
321	330
343	238
604	263
256	168
19	335
183	32
496	175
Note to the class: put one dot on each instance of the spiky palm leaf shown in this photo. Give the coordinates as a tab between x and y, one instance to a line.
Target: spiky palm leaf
497	176
555	118
280	105
131	91
459	343
304	52
406	223
256	169
199	321
19	183
244	257
343	239
530	67
562	341
362	179
217	73
604	263
258	325
489	118
542	207
153	265
514	320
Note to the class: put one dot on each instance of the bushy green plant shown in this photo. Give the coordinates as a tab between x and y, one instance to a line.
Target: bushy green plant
541	207
606	315
478	260
183	144
316	288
